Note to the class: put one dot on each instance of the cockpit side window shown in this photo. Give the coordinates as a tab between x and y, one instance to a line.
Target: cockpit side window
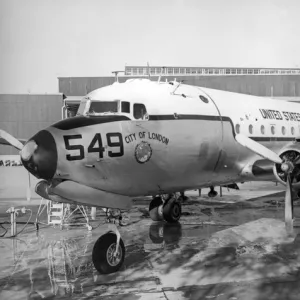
139	111
125	107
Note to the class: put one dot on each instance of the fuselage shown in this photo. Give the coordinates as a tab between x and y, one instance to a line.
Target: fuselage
163	137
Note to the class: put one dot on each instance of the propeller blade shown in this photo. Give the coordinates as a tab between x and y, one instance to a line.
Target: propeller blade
297	160
258	148
288	212
29	188
10	139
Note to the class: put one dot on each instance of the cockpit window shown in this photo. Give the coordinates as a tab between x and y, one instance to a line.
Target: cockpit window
103	106
139	111
125	107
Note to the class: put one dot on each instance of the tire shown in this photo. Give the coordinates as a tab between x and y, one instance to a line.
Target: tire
212	194
155	209
172	211
102	254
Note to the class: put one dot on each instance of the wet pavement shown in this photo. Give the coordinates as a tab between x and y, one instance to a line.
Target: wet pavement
234	247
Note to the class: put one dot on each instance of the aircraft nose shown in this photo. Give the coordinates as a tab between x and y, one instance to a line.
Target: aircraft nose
39	155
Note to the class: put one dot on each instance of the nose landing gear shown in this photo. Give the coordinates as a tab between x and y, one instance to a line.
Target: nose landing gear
109	250
108	253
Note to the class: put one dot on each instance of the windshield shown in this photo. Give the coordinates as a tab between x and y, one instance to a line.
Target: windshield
103	106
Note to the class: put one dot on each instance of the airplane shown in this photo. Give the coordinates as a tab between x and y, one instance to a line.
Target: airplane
152	138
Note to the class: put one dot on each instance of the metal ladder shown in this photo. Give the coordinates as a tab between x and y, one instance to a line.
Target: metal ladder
55	213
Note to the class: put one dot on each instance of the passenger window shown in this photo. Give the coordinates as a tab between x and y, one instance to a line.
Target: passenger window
139	111
125	107
293	130
262	129
273	129
283	130
237	128
250	129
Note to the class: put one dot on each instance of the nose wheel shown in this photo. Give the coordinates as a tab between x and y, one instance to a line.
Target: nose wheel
108	253
169	210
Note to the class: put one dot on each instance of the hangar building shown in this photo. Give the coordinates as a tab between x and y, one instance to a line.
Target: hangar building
266	82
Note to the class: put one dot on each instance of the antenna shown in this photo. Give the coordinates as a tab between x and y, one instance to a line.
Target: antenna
116	75
148	69
178	85
162	69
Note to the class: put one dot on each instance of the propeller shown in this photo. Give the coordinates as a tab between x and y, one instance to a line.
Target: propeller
287	166
11	140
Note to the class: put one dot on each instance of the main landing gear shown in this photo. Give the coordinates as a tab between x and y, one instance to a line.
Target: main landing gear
109	250
212	193
165	208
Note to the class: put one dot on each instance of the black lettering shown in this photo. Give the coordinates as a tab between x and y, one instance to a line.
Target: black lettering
279	115
99	149
127	139
263	113
1	163
149	136
167	141
285	115
67	139
115	144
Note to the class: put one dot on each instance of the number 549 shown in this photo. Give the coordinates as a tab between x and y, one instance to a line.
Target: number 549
95	145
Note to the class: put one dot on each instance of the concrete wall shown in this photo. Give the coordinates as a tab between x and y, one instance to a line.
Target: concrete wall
259	85
24	115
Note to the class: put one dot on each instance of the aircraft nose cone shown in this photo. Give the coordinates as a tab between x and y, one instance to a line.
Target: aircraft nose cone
39	155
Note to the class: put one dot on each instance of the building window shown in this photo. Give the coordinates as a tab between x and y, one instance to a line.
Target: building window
139	111
250	129
170	70
237	128
181	70
273	129
292	130
176	70
283	130
262	129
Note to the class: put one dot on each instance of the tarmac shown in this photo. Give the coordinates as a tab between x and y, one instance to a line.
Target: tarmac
229	247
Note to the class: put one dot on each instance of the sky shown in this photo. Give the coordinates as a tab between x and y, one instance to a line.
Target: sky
41	40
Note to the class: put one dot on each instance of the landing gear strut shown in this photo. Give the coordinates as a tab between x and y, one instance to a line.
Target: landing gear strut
109	250
212	193
168	210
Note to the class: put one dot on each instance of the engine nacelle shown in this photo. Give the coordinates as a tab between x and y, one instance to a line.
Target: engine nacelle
289	154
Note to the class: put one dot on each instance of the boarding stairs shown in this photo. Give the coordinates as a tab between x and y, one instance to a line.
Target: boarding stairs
61	213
